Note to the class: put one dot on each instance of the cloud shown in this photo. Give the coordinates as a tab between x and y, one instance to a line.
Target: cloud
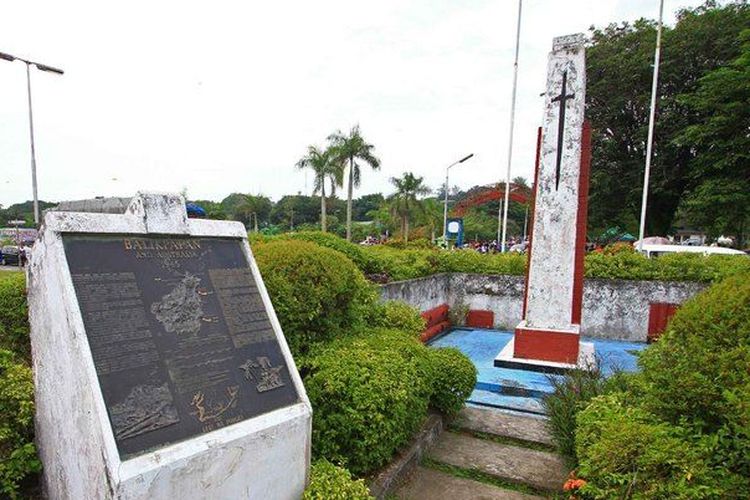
225	96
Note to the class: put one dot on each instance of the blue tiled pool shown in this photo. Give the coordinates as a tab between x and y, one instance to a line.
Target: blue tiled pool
522	390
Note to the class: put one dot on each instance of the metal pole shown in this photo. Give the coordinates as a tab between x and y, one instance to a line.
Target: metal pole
512	123
525	222
445	206
33	152
649	143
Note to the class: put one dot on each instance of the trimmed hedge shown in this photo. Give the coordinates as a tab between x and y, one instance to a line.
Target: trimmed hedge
14	323
318	293
18	458
397	315
453	379
370	393
396	262
681	427
330	482
626	452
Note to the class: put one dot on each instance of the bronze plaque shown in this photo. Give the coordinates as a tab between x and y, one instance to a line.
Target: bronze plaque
180	337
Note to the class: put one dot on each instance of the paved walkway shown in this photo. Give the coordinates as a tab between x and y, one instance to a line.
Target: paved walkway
488	454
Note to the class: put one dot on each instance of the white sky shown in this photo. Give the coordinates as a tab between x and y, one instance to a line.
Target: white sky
220	96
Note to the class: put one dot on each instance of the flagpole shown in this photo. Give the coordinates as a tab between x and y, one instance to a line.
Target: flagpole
510	140
652	113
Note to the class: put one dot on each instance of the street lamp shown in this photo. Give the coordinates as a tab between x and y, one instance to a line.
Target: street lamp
49	69
445	208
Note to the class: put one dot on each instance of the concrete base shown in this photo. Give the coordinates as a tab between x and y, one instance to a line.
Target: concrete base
586	360
266	456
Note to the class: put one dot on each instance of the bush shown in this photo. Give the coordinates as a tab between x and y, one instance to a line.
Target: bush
404	264
329	482
369	395
399	316
625	263
697	374
626	452
470	261
318	293
18	458
14	324
453	379
366	263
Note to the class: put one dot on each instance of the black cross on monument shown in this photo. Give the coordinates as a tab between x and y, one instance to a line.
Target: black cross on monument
561	124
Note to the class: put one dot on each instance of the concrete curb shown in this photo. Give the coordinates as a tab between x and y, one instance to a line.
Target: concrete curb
386	481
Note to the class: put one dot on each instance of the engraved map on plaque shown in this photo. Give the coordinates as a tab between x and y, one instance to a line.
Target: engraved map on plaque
179	334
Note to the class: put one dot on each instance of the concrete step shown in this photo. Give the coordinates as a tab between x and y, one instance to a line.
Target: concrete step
512	425
539	469
430	484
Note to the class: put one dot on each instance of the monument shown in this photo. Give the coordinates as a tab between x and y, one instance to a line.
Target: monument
548	337
160	367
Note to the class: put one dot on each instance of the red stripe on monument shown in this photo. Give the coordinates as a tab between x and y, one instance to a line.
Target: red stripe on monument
532	203
581	219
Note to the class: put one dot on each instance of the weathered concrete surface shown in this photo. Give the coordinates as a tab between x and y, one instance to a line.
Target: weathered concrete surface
429	484
263	457
612	309
619	309
525	428
423	293
404	464
536	468
552	263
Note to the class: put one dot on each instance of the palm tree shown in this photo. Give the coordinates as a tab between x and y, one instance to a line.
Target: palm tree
404	201
351	148
324	166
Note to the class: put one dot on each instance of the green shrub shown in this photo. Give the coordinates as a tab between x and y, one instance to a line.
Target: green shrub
362	259
399	316
471	261
625	263
329	482
369	395
698	375
453	378
318	293
14	324
626	452
18	458
404	264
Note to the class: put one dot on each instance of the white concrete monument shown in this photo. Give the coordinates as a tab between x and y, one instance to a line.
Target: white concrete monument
160	368
548	337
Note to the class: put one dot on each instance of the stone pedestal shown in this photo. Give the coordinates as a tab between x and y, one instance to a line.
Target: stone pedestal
150	383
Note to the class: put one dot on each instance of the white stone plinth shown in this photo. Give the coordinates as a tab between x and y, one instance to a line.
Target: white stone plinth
264	457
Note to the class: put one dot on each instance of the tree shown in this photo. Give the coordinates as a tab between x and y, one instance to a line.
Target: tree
363	205
350	148
718	197
619	72
404	202
252	207
323	164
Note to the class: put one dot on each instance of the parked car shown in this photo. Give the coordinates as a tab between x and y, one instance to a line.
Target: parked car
651	251
10	255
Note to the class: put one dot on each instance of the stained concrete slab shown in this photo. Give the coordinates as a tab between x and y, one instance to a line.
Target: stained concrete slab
540	469
429	484
499	423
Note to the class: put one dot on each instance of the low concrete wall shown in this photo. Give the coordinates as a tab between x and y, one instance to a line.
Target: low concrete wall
422	293
612	309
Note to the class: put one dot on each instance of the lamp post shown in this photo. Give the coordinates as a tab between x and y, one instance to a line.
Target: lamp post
49	69
445	207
